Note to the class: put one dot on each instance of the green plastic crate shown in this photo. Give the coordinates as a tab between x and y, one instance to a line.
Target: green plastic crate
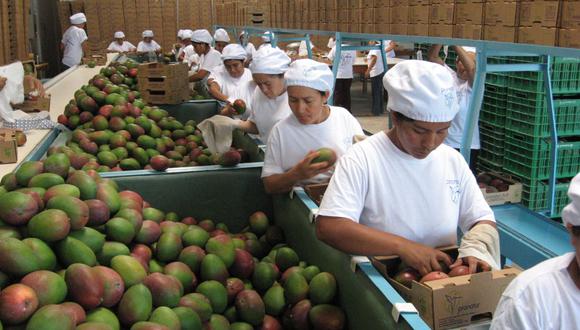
491	159
497	78
529	157
486	165
534	120
492	139
535	196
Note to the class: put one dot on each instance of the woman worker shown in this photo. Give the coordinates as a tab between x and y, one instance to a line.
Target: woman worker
313	123
148	44
403	192
120	45
376	71
73	43
233	81
222	39
248	46
269	102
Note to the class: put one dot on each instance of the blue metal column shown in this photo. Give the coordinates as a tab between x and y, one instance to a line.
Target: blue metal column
336	61
553	135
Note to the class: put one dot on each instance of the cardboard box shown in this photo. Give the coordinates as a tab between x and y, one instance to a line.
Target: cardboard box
99	59
442	2
570	15
441	30
421	29
400	29
418	2
499	33
469	13
569	38
383	28
367	16
512	195
452	302
37	105
442	13
165	97
419	14
8	146
400	15
467	31
544	13
162	70
383	15
538	35
501	13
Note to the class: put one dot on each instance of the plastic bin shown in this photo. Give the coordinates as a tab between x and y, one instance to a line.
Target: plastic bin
531	118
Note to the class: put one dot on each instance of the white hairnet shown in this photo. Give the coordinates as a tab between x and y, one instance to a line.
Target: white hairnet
221	35
234	52
310	73
147	34
180	34
78	18
202	36
119	35
270	60
187	34
571	213
422	90
267	36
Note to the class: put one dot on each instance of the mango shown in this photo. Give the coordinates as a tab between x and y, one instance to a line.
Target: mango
50	288
195	235
10	231
274	300
44	254
86	184
149	233
45	180
188	318
168	226
91	237
165	316
9	182
264	276
155	266
129	164
223	247
129	268
151	213
255	248
241	326
243	266
234	286
136	305
51	317
199	303
17	258
250	307
99	212
27	170
70	251
286	258
299	314
76	310
166	290
133	216
120	230
218	322
64	189
57	163
113	285
104	315
168	247
17	208
274	235
213	268
49	225
110	250
309	272
182	272
327	317
270	323
258	223
93	326
131	200
322	288
84	285
76	209
17	303
290	271
109	195
216	293
296	288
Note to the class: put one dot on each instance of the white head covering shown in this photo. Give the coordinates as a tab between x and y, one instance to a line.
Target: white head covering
234	52
270	60
221	35
119	35
78	18
422	90
202	36
310	73
187	34
571	213
147	34
267	35
180	34
469	49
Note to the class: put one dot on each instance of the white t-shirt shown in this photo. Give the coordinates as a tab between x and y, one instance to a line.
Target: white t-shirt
464	93
347	58
267	112
210	60
378	68
423	200
302	50
391	53
152	46
250	50
72	39
336	132
235	88
189	55
543	297
125	47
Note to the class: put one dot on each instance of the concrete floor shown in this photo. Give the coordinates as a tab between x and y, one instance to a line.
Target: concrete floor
361	108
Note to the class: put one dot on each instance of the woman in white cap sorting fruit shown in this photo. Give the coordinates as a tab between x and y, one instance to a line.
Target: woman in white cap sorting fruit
463	77
547	296
221	38
248	46
209	58
148	44
120	45
73	43
314	124
232	85
303	50
187	54
267	40
403	192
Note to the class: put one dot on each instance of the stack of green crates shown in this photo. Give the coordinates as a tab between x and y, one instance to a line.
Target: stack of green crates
527	131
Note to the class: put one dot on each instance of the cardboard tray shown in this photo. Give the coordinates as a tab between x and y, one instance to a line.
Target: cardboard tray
99	59
8	146
40	104
512	195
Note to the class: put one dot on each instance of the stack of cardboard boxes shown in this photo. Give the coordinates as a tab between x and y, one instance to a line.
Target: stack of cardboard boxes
163	83
501	21
14	16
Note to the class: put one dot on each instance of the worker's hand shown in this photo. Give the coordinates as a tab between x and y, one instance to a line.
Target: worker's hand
305	170
423	258
473	263
368	73
34	84
228	110
2	82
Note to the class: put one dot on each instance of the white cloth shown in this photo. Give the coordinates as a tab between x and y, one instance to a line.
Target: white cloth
217	132
311	74
250	50
78	18
336	132
147	34
455	132
202	36
13	91
302	50
234	52
423	200
331	42
235	88
72	39
482	242
542	297
119	35
268	112
347	58
152	46
210	61
378	68
125	47
221	35
421	90
571	213
270	60
391	53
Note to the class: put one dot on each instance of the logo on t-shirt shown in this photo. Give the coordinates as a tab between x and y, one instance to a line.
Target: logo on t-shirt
455	190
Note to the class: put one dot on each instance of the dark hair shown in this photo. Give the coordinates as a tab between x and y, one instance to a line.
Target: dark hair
322	93
576	231
401	116
280	75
